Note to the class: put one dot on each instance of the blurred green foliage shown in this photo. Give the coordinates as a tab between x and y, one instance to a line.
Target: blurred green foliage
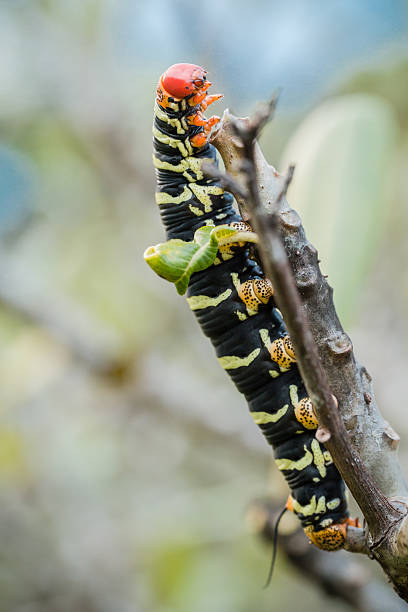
345	153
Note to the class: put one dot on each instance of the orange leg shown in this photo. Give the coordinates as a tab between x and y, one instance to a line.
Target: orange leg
209	124
209	100
197	119
199	140
289	504
200	95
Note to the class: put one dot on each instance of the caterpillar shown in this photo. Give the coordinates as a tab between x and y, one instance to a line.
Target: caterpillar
207	253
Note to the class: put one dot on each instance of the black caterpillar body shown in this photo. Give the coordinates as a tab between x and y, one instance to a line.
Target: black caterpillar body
235	308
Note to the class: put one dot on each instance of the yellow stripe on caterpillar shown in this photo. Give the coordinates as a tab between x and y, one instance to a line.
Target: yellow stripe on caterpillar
333	504
313	507
315	456
231	362
189	163
328	458
299	465
265	338
293	394
241	315
183	146
203	193
162	197
199	302
318	458
196	211
173	122
263	418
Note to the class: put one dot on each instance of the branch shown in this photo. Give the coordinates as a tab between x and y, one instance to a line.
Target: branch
376	509
386	519
350	382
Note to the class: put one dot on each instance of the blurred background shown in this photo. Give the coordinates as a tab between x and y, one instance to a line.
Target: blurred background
127	459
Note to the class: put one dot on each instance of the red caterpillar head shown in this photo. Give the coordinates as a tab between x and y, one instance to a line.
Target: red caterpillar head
181	80
184	87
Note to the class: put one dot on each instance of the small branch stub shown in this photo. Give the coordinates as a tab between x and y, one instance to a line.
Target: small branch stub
340	345
323	435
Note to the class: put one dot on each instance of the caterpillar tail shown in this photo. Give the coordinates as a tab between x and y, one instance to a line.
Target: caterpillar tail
332	537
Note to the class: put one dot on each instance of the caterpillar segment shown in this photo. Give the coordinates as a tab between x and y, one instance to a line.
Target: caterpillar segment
332	536
235	307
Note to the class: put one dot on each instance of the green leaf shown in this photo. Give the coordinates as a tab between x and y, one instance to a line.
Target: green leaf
176	260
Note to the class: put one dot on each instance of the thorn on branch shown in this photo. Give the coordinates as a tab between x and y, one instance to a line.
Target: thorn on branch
275	204
323	435
227	181
288	180
249	132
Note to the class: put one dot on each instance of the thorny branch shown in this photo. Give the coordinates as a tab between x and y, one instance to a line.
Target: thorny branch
348	380
271	219
277	268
